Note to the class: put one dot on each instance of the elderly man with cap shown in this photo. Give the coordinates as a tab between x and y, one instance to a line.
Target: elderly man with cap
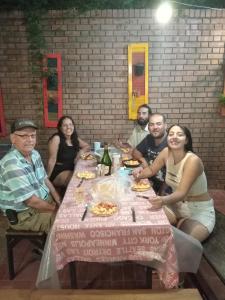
27	197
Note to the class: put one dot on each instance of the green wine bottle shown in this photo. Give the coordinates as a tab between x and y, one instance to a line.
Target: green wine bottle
106	162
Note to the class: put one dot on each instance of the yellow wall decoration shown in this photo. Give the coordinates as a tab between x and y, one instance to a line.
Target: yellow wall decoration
137	77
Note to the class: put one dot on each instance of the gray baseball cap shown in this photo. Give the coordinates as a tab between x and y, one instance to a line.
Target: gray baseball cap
22	123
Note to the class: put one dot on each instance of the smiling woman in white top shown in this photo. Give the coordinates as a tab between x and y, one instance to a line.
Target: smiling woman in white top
189	202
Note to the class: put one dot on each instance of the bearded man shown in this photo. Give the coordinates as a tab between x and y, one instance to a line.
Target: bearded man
141	129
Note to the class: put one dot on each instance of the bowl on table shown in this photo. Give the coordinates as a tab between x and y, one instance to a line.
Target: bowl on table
141	186
131	163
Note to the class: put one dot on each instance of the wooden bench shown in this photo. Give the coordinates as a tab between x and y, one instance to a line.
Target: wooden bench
210	278
175	294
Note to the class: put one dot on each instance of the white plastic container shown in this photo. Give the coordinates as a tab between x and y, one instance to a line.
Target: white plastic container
116	162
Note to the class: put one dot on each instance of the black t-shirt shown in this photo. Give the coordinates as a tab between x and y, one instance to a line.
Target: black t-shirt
65	159
150	151
66	154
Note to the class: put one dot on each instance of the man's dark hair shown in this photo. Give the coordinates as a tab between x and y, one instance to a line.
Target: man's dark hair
146	106
158	114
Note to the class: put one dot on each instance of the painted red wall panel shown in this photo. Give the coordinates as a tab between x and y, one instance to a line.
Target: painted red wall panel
56	95
2	118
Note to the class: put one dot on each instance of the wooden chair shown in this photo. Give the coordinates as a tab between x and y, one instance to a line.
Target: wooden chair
13	237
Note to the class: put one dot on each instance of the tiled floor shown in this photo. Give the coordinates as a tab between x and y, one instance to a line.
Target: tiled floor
128	276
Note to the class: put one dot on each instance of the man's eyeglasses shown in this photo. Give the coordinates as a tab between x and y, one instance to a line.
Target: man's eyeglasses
26	136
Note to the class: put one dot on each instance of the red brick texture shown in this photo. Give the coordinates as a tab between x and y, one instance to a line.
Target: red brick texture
185	74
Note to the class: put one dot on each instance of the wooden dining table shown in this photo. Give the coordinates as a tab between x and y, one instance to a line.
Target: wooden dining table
147	239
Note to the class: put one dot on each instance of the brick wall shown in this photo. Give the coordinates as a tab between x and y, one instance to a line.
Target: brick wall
186	59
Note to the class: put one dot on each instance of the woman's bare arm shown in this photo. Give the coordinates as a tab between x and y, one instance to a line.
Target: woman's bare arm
153	169
85	147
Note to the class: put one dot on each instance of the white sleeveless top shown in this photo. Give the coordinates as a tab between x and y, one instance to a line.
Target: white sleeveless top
174	174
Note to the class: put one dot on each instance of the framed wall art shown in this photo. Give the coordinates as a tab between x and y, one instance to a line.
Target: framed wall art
137	77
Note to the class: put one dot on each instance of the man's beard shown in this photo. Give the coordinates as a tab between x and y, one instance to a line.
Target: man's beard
160	135
142	122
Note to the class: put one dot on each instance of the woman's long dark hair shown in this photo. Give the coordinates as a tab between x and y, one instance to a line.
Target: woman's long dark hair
188	146
74	136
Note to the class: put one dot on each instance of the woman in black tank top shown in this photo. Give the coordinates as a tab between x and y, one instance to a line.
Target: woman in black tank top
64	149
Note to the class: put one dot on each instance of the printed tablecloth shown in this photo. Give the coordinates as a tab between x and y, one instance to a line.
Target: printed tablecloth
114	238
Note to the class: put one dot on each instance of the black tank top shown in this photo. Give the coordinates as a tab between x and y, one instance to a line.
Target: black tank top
66	154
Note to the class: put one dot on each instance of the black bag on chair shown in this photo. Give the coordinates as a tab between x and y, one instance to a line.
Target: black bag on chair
12	216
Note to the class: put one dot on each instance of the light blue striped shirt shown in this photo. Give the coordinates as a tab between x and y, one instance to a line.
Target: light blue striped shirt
20	179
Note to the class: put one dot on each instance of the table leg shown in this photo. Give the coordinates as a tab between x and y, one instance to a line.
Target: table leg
149	277
73	278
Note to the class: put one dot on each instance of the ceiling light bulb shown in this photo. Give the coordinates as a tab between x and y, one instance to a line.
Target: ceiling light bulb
164	13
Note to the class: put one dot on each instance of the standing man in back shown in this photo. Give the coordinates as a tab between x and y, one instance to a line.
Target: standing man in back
151	145
140	131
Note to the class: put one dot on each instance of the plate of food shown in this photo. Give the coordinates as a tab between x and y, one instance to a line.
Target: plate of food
104	208
87	156
141	186
131	163
86	175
